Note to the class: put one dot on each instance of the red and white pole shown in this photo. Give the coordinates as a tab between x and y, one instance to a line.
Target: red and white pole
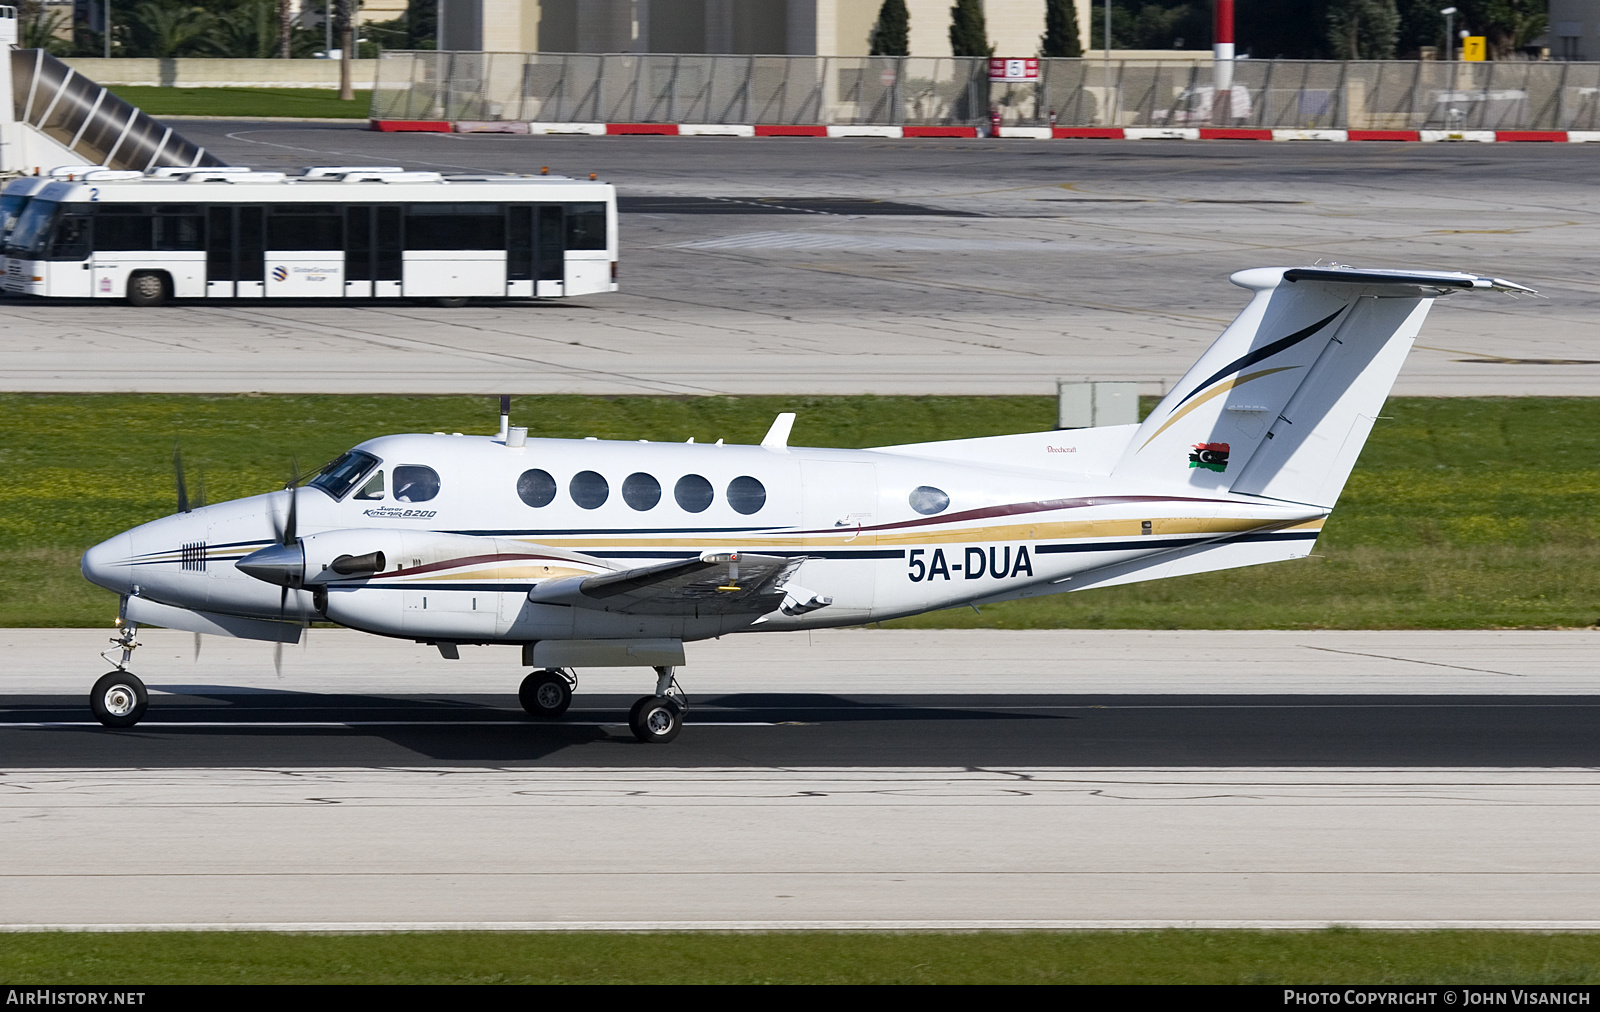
1222	61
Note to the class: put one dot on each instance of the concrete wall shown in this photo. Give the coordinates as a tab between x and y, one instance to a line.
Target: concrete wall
775	27
199	73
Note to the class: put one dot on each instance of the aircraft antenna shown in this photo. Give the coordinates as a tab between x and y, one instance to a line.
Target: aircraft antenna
505	416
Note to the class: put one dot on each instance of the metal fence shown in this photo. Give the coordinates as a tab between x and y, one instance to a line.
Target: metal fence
896	91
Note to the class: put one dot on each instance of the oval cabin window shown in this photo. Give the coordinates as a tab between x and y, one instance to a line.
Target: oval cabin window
693	493
415	483
746	495
641	491
927	500
536	488
589	489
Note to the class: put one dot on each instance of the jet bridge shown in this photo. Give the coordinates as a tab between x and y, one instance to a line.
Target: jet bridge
51	115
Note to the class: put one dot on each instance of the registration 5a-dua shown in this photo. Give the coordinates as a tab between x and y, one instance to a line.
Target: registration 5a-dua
976	561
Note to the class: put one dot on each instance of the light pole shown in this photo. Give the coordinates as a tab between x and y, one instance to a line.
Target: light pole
1449	33
107	27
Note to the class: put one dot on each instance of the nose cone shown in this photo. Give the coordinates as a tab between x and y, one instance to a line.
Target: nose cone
284	565
110	564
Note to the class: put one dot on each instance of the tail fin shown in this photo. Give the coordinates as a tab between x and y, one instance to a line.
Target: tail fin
1282	403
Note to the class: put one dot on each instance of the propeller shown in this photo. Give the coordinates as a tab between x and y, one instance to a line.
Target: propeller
184	505
287	538
177	474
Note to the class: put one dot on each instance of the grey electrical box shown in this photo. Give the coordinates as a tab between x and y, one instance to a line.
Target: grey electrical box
1085	405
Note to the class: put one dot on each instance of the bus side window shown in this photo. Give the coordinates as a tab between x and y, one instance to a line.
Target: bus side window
305	227
120	227
179	227
71	239
455	226
586	226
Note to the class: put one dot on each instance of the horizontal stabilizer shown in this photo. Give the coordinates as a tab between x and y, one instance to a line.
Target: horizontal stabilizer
1441	281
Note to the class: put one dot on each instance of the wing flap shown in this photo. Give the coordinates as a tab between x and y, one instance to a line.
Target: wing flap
727	583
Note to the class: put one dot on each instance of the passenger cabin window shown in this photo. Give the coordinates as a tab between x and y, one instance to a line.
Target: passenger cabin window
693	493
415	483
373	489
746	495
340	476
927	500
589	489
536	488
586	226
641	491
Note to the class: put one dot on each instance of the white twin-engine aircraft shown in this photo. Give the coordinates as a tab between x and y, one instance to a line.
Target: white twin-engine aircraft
610	553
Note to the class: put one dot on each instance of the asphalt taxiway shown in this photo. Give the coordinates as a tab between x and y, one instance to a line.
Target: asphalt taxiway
793	266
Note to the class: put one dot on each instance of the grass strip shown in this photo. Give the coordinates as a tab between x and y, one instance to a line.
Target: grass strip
1335	956
1462	513
309	103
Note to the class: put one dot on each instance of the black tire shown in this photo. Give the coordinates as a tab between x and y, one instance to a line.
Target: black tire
118	699
149	288
545	694
656	719
452	302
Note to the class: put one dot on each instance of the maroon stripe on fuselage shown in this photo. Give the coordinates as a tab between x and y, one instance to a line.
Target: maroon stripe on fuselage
473	560
1019	509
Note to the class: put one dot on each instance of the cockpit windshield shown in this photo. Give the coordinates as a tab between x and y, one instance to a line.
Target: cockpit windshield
339	477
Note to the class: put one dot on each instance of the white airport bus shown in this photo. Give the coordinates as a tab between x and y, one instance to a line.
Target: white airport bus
339	232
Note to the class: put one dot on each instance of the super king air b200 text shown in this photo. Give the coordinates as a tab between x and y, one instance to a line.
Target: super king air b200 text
608	553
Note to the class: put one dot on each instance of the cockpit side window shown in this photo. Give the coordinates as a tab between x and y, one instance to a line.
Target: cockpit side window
339	477
415	483
373	489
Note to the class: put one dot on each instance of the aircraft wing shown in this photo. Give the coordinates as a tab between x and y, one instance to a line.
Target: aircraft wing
714	584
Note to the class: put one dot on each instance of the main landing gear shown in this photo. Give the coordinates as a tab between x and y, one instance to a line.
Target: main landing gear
659	718
119	698
547	693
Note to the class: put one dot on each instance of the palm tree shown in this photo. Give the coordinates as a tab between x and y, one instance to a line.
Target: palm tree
168	28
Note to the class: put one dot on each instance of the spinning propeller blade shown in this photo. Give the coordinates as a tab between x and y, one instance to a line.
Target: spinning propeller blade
294	499
177	473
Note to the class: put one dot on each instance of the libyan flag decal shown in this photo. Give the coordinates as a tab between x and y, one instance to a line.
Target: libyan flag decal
1211	456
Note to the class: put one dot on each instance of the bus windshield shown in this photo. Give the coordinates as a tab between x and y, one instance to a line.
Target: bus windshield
31	234
10	210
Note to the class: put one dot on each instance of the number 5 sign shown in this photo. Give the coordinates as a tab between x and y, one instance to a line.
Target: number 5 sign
1003	69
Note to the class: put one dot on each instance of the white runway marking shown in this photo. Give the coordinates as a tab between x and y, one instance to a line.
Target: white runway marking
298	724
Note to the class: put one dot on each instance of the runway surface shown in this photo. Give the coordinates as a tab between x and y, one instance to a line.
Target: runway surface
768	267
871	779
840	698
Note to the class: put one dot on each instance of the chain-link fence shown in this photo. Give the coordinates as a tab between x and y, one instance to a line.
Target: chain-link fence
895	91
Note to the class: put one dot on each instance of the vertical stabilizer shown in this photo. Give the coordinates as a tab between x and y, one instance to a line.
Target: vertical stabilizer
1282	403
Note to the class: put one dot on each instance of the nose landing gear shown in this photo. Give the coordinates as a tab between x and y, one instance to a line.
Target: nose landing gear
119	698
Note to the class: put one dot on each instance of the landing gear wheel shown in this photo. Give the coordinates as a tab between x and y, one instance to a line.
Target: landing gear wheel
656	719
453	302
545	694
118	699
148	288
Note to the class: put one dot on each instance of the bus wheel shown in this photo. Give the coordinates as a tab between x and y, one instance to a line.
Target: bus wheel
148	288
454	302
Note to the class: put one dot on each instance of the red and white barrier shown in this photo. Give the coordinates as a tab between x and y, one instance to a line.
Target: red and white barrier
1005	132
